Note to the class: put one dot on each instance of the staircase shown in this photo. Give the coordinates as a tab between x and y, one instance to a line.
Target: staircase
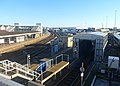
10	28
11	70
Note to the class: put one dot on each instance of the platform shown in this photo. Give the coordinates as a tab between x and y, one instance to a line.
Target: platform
34	66
53	71
15	46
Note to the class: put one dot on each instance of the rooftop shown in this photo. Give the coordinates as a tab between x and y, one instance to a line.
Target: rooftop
102	82
114	57
98	33
93	33
117	36
7	82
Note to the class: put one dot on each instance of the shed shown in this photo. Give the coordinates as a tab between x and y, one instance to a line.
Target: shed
86	42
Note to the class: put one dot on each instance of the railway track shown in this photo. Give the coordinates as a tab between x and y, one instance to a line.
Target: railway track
33	51
72	75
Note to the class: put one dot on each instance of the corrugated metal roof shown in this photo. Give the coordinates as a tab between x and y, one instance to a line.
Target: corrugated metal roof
90	35
98	33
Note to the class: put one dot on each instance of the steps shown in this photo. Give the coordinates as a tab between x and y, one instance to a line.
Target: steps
13	69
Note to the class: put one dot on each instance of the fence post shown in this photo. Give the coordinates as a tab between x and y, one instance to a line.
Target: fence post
68	57
56	60
62	56
41	72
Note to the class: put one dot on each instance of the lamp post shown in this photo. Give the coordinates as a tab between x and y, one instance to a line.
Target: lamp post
106	21
115	18
82	74
109	73
28	60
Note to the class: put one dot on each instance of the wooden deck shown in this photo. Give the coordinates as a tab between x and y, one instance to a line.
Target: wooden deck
55	69
34	66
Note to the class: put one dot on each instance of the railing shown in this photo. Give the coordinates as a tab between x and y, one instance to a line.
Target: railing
9	66
92	84
61	57
34	28
23	71
10	28
50	63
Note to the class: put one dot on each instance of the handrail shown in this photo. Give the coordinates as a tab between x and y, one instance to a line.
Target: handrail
92	84
11	66
62	57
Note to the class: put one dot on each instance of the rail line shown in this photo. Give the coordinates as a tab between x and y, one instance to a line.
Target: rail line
70	78
21	57
36	52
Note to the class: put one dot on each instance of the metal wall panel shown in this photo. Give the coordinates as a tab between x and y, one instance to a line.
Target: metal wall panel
100	44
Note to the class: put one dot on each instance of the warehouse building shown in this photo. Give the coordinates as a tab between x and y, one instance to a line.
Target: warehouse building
61	43
90	46
65	41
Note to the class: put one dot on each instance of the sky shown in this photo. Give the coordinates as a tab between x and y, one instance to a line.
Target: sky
61	13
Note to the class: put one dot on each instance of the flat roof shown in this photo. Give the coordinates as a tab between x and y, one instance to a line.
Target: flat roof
25	27
8	82
103	82
98	33
113	57
117	36
91	35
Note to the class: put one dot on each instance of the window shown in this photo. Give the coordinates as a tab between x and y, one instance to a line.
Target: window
60	40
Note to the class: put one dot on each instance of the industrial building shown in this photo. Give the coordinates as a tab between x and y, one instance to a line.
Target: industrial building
85	29
65	41
61	43
90	44
71	30
22	28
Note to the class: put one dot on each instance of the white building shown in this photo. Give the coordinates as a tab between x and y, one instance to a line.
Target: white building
15	37
22	28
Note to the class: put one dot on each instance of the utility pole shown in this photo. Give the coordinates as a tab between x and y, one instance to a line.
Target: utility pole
28	61
106	21
109	72
102	25
82	74
115	18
